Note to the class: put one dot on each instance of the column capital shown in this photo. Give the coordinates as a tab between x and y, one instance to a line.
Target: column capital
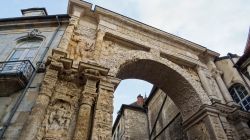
215	72
109	83
92	67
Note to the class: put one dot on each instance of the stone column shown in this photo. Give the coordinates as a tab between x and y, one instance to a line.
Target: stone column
68	34
205	83
39	109
102	128
84	121
217	75
223	88
92	73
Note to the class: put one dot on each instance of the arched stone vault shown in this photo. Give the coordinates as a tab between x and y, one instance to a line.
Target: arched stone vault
180	85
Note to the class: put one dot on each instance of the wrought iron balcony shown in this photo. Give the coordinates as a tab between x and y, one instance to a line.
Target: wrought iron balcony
14	76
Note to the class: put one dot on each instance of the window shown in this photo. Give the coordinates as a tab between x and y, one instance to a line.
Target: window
26	50
240	96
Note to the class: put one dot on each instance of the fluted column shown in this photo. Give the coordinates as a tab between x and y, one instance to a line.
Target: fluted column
102	127
83	124
92	73
38	112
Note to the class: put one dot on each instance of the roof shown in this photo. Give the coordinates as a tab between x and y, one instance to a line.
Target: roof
152	93
33	9
229	56
34	17
33	21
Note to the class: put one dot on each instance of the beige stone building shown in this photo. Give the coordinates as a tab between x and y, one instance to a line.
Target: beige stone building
72	96
25	43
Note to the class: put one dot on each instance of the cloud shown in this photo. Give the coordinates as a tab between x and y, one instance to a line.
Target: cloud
221	26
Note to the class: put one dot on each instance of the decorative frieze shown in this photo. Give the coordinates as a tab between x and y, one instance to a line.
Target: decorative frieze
59	112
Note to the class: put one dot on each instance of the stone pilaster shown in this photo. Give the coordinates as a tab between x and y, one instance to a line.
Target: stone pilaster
60	111
39	110
205	83
102	128
205	124
217	76
225	93
92	73
68	34
99	41
83	123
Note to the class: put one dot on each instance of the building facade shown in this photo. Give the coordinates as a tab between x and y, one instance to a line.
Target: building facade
91	54
159	118
25	43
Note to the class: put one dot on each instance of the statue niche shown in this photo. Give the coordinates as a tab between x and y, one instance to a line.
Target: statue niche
80	48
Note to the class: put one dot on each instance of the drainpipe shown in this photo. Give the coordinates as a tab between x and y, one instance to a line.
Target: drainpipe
19	100
241	75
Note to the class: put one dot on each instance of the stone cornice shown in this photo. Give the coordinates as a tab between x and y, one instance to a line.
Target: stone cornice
105	12
87	66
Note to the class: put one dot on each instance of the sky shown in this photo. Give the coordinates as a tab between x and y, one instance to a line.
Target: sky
219	25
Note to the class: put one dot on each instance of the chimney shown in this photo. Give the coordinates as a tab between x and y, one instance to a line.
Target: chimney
34	12
140	100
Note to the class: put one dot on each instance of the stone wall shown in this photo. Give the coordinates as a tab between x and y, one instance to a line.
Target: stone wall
164	117
136	126
131	123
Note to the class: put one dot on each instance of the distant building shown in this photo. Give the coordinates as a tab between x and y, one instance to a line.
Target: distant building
158	118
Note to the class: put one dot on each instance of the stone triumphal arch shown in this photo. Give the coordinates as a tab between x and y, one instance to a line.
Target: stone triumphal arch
98	49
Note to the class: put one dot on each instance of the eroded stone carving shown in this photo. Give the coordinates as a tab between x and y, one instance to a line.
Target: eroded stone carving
103	113
59	112
34	33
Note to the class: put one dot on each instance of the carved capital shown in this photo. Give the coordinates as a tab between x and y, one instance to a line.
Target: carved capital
215	72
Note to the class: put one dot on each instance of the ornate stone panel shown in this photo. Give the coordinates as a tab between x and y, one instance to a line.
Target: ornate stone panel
39	110
59	113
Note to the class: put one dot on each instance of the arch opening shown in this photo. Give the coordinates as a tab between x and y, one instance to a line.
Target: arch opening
165	78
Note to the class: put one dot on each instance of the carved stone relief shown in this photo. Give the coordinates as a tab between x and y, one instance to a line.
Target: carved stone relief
82	44
59	112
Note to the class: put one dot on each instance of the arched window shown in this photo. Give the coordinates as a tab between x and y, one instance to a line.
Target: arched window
240	96
26	49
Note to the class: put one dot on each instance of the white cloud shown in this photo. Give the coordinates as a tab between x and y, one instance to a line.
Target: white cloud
221	25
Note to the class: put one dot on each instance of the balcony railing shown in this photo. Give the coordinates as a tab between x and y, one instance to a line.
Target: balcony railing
14	75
